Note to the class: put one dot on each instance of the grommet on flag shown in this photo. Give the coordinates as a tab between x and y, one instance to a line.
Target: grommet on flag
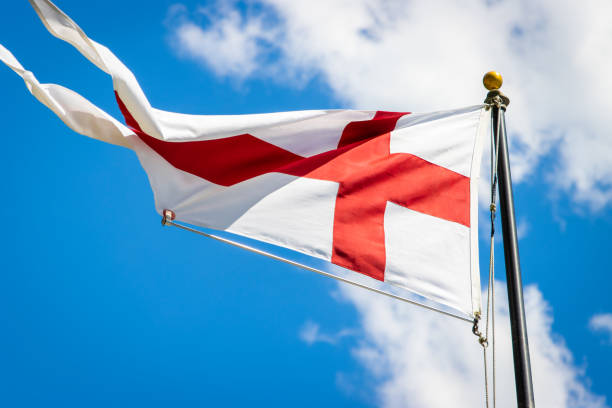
167	217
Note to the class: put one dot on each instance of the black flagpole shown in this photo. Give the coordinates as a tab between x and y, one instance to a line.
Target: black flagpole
520	345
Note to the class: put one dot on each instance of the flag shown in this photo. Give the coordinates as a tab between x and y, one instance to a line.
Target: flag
390	195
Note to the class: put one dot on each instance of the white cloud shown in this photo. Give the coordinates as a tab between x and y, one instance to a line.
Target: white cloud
230	45
311	333
419	55
422	359
522	228
602	323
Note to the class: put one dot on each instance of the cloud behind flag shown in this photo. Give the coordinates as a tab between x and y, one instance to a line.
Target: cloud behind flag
370	37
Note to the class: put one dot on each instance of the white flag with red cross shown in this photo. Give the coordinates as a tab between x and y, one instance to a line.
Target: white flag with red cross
391	195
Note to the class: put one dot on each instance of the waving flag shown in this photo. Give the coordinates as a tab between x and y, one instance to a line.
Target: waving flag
391	195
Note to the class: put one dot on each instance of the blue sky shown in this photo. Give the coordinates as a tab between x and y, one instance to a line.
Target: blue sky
102	306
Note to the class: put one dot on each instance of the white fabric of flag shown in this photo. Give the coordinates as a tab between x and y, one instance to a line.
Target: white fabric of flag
391	195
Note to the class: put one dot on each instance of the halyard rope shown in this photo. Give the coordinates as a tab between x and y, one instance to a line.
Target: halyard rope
494	158
484	340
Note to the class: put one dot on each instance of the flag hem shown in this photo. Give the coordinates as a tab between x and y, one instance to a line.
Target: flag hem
474	181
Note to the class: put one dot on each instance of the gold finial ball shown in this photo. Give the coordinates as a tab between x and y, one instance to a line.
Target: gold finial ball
492	80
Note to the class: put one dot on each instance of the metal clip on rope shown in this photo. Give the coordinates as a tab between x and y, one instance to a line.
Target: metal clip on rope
475	329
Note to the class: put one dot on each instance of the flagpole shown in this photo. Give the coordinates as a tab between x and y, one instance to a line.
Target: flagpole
520	345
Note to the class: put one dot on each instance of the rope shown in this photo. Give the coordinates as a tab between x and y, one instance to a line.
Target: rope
492	256
169	221
484	339
486	377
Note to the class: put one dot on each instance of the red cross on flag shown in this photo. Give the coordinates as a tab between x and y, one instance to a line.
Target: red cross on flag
391	195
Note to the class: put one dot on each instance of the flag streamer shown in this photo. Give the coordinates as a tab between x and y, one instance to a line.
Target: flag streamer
390	195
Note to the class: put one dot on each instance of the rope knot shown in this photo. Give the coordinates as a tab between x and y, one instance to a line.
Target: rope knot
483	341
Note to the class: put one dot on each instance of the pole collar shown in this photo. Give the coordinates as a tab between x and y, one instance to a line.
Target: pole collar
498	99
